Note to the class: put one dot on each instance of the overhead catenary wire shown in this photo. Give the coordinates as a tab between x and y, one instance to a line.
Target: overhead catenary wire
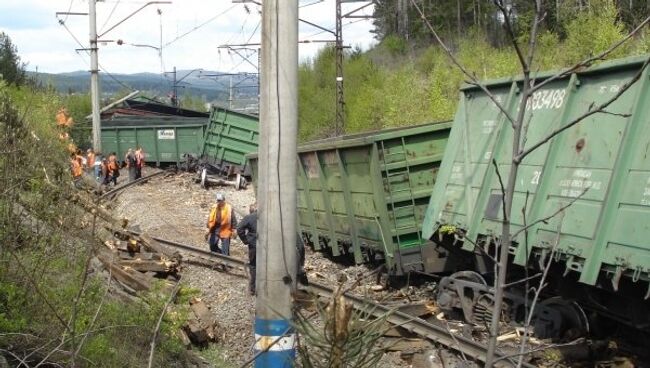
331	30
200	25
85	49
69	9
109	16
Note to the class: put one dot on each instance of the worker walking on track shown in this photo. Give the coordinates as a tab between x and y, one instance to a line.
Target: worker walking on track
247	232
139	162
113	169
90	162
221	223
130	164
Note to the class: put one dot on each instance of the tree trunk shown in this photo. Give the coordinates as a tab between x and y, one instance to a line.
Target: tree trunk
458	19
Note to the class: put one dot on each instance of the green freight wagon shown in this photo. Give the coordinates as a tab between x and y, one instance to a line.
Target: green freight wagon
599	169
229	137
365	195
164	139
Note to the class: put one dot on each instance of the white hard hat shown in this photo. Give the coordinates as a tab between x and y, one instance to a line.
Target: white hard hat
221	197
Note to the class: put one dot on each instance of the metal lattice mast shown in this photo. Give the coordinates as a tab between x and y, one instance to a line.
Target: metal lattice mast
340	99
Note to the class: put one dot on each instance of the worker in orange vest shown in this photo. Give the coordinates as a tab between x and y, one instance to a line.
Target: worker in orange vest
113	168
222	223
76	169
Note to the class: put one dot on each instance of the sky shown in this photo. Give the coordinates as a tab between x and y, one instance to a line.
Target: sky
191	30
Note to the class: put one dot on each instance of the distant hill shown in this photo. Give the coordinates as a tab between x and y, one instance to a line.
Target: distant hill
199	85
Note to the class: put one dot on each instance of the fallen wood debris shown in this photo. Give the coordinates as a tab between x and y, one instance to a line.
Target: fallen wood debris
203	328
136	261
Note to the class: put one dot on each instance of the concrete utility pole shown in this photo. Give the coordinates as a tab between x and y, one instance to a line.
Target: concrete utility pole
277	256
340	100
94	77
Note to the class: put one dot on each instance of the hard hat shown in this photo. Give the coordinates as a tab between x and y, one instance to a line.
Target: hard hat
221	197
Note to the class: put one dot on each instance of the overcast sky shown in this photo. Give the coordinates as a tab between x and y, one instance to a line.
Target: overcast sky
44	43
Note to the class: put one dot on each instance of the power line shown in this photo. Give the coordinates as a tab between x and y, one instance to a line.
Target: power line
84	48
109	16
200	25
69	9
344	25
254	31
312	3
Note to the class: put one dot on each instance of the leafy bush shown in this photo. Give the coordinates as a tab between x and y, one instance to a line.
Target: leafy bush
52	310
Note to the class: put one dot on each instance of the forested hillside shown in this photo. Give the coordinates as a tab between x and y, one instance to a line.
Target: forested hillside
408	79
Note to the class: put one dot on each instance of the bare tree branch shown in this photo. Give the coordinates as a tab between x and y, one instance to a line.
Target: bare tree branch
592	59
538	290
518	158
509	29
503	190
528	278
456	62
464	238
162	314
99	308
557	212
38	290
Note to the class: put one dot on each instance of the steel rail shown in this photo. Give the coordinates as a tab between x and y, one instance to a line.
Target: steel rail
418	326
140	180
196	251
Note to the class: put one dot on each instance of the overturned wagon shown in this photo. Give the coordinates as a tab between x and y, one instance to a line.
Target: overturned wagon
581	200
365	195
165	139
230	136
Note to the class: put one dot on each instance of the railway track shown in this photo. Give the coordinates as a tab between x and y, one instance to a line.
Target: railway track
132	183
437	334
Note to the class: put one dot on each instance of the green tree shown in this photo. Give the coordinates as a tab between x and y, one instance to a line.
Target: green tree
12	70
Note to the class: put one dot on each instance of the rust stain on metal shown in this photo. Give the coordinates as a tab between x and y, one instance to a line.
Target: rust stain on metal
580	144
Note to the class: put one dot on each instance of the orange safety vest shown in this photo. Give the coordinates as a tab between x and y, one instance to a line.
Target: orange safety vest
90	160
76	168
225	229
112	166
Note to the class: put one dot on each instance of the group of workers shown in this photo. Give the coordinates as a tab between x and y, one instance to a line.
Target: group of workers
106	170
222	226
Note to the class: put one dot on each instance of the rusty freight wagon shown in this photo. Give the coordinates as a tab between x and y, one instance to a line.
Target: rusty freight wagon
598	169
364	195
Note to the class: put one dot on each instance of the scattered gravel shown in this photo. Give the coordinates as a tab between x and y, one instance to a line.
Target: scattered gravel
174	207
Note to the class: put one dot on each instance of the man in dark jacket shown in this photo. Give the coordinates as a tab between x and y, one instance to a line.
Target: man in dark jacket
247	232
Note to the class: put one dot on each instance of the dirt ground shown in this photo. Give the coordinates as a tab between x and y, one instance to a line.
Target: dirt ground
174	207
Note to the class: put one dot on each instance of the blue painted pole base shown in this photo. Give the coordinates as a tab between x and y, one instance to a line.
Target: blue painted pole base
276	339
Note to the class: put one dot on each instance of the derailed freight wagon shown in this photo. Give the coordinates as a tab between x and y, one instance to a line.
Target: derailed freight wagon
599	168
365	195
165	139
229	137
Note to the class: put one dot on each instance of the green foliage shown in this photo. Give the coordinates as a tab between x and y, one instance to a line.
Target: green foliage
395	45
345	337
48	301
393	85
594	31
215	355
79	106
12	70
